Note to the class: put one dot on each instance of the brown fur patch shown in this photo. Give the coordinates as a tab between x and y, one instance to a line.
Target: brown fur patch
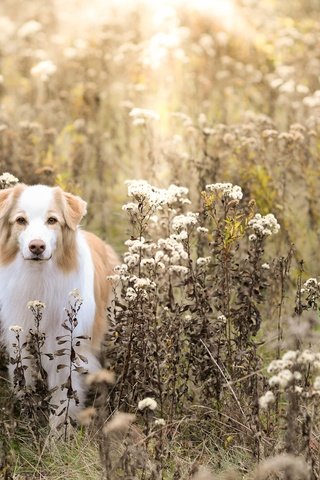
72	207
8	235
104	259
66	251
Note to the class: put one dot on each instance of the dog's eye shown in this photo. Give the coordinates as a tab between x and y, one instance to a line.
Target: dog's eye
21	221
52	220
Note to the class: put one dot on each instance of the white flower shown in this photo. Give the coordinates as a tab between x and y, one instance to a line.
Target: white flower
121	269
275	366
155	197
173	249
147	402
142	283
274	381
131	259
44	70
15	328
203	261
282	380
226	190
160	422
202	230
29	28
311	286
137	122
144	114
306	357
297	375
130	294
265	266
266	400
35	304
184	221
179	269
252	237
290	355
222	318
113	278
147	262
75	293
183	235
7	180
130	207
158	256
264	225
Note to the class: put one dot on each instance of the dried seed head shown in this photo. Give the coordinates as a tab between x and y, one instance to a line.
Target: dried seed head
86	416
101	376
147	402
35	304
120	422
266	400
15	328
294	467
160	422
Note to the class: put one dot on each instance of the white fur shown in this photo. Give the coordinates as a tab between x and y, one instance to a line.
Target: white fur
36	202
22	281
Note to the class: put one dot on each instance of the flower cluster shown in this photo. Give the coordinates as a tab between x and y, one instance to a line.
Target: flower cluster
142	115
7	180
44	70
182	222
311	286
288	371
148	403
266	400
15	328
310	293
75	293
35	304
226	190
155	197
29	28
171	250
264	225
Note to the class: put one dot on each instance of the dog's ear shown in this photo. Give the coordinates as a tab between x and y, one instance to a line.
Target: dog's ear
74	209
8	197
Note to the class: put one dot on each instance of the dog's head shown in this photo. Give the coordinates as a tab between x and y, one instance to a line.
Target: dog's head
40	223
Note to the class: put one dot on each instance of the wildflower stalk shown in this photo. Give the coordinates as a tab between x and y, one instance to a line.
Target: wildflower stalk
71	341
37	338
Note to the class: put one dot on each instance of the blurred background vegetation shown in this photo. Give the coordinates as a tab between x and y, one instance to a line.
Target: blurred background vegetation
229	91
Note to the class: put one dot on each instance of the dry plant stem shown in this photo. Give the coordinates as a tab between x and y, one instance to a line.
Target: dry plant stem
19	367
126	365
225	377
226	299
38	342
282	267
158	367
298	306
70	325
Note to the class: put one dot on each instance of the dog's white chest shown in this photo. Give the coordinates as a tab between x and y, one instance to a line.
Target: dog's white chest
22	282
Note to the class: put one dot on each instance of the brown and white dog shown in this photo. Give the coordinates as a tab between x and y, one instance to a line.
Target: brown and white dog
44	255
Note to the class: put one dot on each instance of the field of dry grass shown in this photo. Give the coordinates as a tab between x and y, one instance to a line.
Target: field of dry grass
193	131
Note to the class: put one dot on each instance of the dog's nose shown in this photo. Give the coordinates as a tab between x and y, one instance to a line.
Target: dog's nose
37	247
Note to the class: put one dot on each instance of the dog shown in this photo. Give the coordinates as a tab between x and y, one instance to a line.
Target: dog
44	255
